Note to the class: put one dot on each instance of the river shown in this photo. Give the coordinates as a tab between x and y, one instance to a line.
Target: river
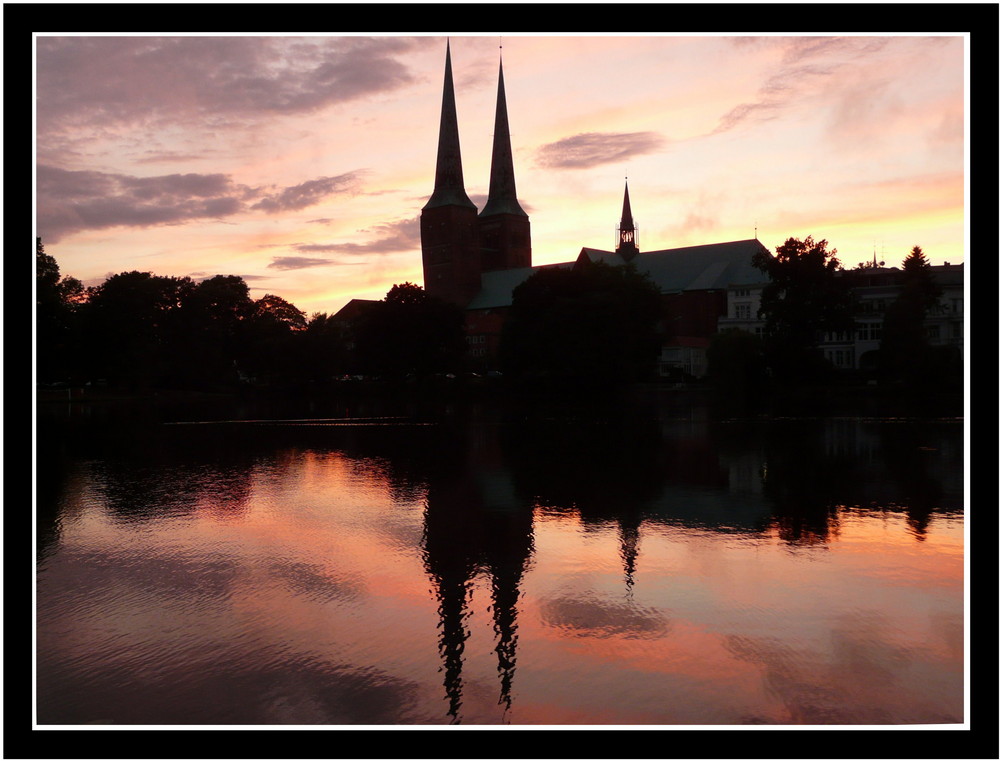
362	563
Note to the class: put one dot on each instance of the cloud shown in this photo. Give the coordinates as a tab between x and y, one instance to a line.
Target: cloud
390	238
106	80
298	262
308	193
70	201
590	149
805	68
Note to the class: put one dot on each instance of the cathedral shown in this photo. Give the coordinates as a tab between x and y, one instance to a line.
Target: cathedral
476	259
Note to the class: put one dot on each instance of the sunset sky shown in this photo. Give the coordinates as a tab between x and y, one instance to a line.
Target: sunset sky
301	163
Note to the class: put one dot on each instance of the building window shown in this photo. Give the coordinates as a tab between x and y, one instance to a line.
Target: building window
742	311
934	332
956	330
956	306
843	358
869	331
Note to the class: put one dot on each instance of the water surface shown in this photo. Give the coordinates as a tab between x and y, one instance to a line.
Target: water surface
477	565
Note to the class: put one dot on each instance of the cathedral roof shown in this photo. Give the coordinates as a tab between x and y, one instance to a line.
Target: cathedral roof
714	266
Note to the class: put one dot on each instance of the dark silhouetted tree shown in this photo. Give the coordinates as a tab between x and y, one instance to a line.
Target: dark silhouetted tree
324	349
410	332
57	301
135	330
271	338
736	368
905	355
216	311
803	299
591	322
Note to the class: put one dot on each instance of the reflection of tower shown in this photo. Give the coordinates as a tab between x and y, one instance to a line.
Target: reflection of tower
508	544
628	245
471	526
504	228
629	523
450	559
448	232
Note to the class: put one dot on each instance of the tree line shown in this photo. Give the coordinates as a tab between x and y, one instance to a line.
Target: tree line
588	323
138	331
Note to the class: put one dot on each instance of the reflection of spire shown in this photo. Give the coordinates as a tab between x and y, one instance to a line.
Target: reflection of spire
449	558
505	628
508	544
628	533
451	645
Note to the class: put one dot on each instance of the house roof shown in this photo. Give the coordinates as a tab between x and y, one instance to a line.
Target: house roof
707	267
354	309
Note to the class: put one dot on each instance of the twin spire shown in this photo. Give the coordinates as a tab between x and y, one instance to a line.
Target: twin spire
449	184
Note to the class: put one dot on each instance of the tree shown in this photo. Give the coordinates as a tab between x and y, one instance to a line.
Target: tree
736	368
323	347
905	355
410	332
803	299
216	312
57	300
270	341
135	331
591	322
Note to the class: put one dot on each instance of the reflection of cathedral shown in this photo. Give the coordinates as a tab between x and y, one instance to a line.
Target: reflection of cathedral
471	529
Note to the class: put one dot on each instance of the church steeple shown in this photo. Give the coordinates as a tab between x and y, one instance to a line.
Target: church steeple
503	196
449	234
628	246
449	184
504	229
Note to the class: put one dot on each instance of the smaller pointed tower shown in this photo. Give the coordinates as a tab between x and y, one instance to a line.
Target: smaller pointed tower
504	228
628	243
449	239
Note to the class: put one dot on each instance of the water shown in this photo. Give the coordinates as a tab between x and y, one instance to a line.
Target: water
648	565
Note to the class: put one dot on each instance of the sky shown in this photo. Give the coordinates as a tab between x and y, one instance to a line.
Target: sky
301	163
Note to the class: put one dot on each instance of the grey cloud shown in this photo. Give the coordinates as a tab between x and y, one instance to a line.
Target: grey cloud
297	262
595	148
70	201
391	237
308	193
111	80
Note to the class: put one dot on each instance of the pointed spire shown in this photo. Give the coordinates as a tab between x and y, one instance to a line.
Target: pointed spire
627	223
503	196
627	246
449	183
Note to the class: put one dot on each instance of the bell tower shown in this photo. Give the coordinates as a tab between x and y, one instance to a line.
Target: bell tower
449	238
504	228
628	244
